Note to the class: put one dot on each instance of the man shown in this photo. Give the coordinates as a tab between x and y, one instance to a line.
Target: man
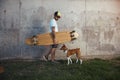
53	29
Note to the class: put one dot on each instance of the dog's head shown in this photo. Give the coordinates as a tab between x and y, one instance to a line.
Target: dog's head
63	47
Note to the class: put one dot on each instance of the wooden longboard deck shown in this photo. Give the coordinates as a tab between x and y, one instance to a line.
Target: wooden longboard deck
46	39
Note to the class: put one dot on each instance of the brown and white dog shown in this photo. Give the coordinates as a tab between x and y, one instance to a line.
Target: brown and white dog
71	52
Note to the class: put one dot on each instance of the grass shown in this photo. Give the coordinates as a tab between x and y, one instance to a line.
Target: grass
95	69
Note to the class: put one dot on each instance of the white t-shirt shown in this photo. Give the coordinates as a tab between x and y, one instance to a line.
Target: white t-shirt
53	22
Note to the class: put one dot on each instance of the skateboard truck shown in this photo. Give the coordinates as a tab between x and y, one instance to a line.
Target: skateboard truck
34	39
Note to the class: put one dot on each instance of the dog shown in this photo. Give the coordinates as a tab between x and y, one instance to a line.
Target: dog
71	52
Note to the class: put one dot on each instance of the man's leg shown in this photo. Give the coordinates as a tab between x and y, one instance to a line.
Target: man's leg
53	54
47	55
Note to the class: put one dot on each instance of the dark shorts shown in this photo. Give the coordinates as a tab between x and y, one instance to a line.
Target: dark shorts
54	45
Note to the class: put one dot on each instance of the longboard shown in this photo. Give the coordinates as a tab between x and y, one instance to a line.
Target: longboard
46	39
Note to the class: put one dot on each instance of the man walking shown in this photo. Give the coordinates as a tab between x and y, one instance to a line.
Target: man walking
53	29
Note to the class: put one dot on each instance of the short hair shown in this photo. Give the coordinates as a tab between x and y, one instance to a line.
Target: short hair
55	14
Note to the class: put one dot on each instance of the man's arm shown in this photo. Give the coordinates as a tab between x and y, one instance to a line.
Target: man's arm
53	35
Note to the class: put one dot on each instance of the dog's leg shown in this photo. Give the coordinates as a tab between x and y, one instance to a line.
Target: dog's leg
71	60
77	56
77	60
80	61
68	58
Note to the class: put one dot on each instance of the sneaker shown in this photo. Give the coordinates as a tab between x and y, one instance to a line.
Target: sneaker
45	58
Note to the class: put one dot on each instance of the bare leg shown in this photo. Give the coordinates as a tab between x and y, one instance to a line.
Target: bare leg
53	54
49	53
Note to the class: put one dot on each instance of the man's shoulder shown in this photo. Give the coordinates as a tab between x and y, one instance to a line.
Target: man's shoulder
52	21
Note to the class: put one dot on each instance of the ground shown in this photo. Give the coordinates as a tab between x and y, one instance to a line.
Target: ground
93	69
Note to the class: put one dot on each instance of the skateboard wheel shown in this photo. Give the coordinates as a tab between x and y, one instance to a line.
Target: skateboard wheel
72	31
73	39
34	40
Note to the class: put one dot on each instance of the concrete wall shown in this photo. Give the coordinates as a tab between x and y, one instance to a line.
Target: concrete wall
96	21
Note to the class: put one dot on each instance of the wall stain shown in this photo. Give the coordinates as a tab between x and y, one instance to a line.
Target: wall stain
106	47
20	4
108	35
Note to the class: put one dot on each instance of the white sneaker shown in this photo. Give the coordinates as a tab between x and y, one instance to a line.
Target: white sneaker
45	58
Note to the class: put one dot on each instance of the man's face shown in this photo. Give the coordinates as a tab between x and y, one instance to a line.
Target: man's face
57	18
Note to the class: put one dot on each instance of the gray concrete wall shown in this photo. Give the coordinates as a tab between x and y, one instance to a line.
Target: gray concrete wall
96	21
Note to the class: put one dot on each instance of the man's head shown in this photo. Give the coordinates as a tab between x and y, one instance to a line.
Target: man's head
57	15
